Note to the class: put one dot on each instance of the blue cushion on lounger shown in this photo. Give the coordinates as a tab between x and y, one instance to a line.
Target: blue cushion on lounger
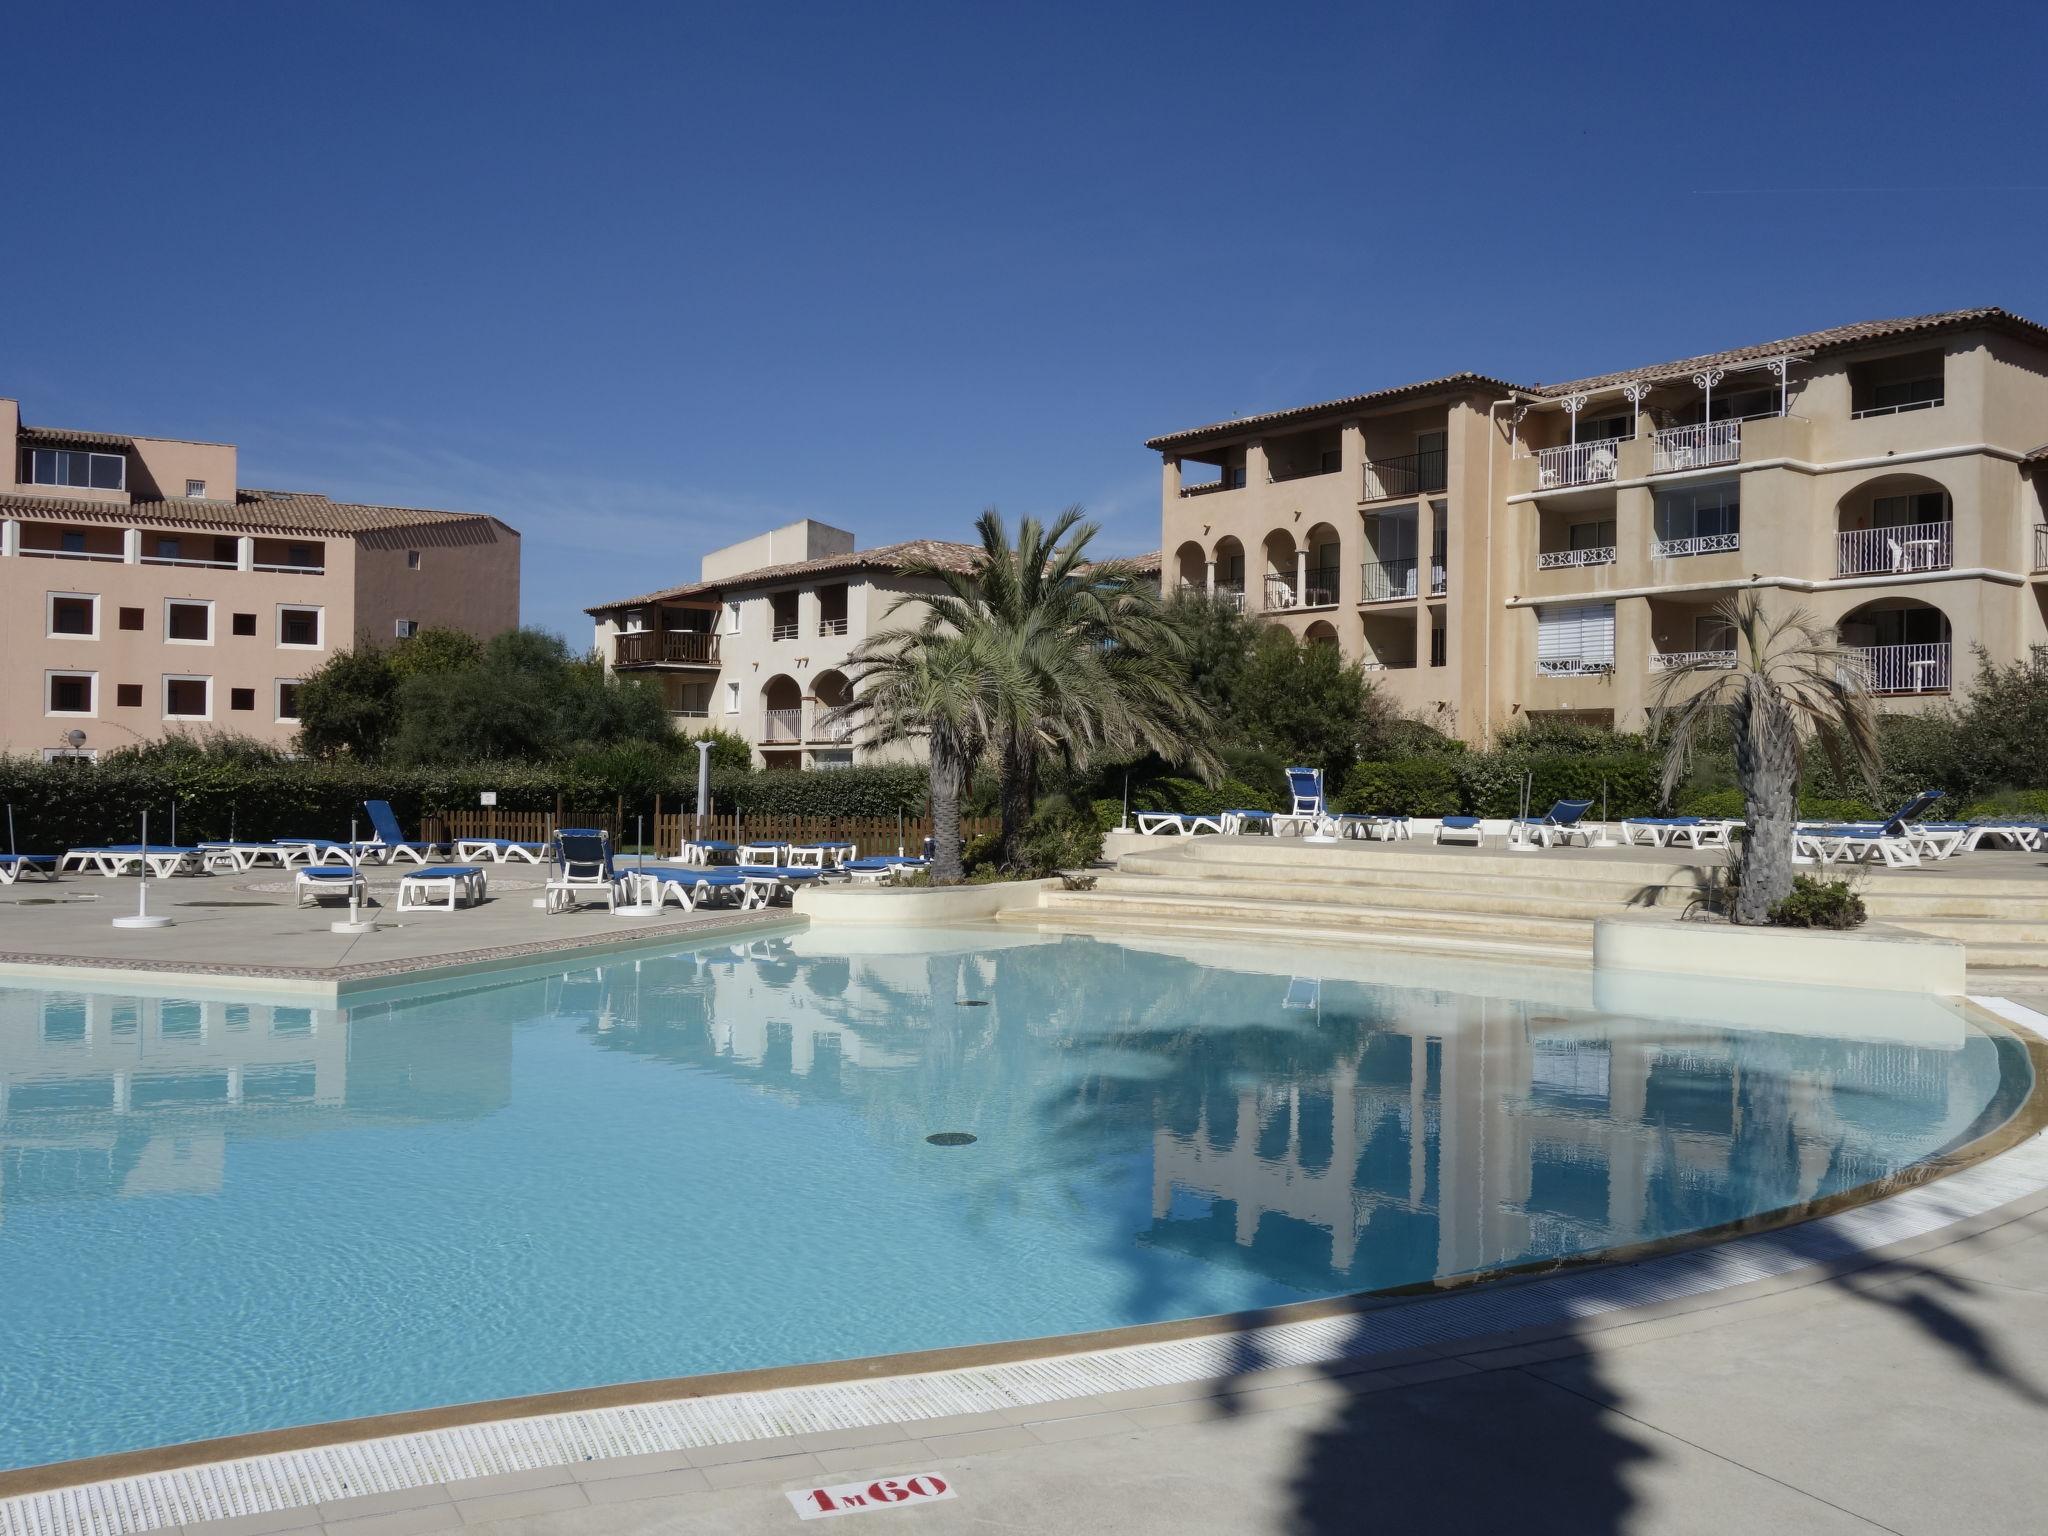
1461	821
445	872
327	872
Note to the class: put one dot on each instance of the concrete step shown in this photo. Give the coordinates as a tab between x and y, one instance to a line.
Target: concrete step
1220	906
1894	905
1287	925
1269	886
1981	931
1613	883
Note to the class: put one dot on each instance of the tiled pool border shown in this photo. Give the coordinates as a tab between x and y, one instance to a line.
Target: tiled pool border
277	1471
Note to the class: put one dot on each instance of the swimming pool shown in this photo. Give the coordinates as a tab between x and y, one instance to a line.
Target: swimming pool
219	1215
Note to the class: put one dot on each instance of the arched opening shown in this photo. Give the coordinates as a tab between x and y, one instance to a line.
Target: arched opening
1322	632
1278	589
1903	644
1894	524
1191	567
1230	570
829	691
1325	556
782	710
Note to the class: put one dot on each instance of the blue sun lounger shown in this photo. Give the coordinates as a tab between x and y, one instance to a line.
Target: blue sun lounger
1559	825
39	866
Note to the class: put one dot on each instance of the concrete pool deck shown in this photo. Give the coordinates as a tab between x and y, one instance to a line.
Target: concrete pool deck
248	929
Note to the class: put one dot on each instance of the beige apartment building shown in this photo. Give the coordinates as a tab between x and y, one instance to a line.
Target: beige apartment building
758	644
1491	550
144	589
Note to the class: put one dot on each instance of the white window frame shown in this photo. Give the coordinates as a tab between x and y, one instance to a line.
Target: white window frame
84	453
50	601
51	674
319	612
212	629
732	698
163	696
732	618
66	754
401	629
195	490
412	559
277	688
1575	637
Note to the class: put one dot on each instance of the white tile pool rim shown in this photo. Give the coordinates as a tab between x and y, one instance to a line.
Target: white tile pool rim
302	1478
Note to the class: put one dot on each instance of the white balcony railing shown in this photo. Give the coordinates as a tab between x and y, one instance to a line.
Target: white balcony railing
785	630
783	725
1672	661
1711	442
831	626
1280	593
825	729
1234	596
1569	559
1578	463
1910	547
1904	668
1698	544
1575	666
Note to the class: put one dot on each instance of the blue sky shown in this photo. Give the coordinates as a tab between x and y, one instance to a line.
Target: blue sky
644	279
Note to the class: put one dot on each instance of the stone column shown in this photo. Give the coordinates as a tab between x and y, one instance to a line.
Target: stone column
10	537
1169	482
1255	470
1210	578
1425	546
1300	575
131	546
245	553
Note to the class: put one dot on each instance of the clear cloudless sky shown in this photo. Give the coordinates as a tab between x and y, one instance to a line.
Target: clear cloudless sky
645	278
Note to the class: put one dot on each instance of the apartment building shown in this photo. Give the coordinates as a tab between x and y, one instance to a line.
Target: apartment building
758	643
1491	550
144	589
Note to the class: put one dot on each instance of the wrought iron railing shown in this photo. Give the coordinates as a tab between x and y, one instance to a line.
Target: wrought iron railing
1321	591
1384	581
1407	474
1696	447
1671	661
1578	463
1909	547
1568	559
1696	544
1575	666
1439	577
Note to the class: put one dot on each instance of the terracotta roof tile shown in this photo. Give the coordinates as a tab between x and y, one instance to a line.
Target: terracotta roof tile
279	511
884	557
1449	384
59	437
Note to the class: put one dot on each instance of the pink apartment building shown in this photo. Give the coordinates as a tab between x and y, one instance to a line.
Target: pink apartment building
144	590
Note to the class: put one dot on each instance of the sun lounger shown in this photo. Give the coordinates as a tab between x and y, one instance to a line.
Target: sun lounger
654	884
441	887
317	883
764	885
1373	828
1894	841
16	866
2027	836
837	854
1460	829
583	871
880	869
240	857
762	855
1179	823
499	850
314	850
709	851
1308	812
1557	826
161	860
390	843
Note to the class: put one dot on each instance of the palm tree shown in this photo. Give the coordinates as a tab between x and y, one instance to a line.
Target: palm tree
1792	683
1092	665
938	687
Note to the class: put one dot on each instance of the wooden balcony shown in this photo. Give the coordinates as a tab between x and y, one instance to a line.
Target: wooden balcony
670	648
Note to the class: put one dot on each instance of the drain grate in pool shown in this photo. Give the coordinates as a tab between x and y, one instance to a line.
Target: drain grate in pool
950	1138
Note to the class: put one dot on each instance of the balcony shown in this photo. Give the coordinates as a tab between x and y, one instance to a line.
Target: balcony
1234	596
1673	661
831	627
2041	546
1572	559
785	629
832	732
1697	544
1894	551
1439	576
1904	668
1320	591
1207	488
1699	447
670	648
1577	464
74	554
1574	666
1895	410
1407	474
1277	476
782	727
201	565
1387	581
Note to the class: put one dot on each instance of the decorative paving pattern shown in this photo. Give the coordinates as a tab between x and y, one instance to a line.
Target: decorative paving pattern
299	1479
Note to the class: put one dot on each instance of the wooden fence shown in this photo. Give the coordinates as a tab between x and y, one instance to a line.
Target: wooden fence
664	832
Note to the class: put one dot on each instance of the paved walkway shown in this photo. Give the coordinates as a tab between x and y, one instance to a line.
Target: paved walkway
1910	1395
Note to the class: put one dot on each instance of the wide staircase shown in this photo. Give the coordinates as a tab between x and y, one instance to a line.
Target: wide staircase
1533	906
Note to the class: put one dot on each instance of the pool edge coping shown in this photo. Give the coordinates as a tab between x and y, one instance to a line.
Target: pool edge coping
272	1471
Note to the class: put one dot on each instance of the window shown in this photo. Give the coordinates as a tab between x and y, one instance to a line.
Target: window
405	629
64	466
1439	642
241	698
287	698
1904	511
1711	632
131	618
74	613
70	693
1237	478
242	624
168	548
636	621
732	698
412	559
301	627
305	556
72	541
1332	461
1906	394
1575	637
196	489
1594	535
188	622
732	618
1698	519
71	754
188	698
128	695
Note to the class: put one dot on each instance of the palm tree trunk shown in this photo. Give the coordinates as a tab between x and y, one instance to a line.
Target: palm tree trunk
1767	767
948	779
1013	792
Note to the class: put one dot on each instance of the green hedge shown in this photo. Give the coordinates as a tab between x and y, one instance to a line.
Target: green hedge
58	805
1490	783
1408	786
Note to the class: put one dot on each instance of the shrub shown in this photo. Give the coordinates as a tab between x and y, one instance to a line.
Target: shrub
1408	786
1061	841
1818	903
1630	782
881	789
1729	803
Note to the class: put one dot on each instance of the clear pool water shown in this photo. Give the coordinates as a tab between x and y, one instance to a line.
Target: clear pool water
219	1215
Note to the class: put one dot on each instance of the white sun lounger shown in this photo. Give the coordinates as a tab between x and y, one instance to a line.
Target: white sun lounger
317	883
442	887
